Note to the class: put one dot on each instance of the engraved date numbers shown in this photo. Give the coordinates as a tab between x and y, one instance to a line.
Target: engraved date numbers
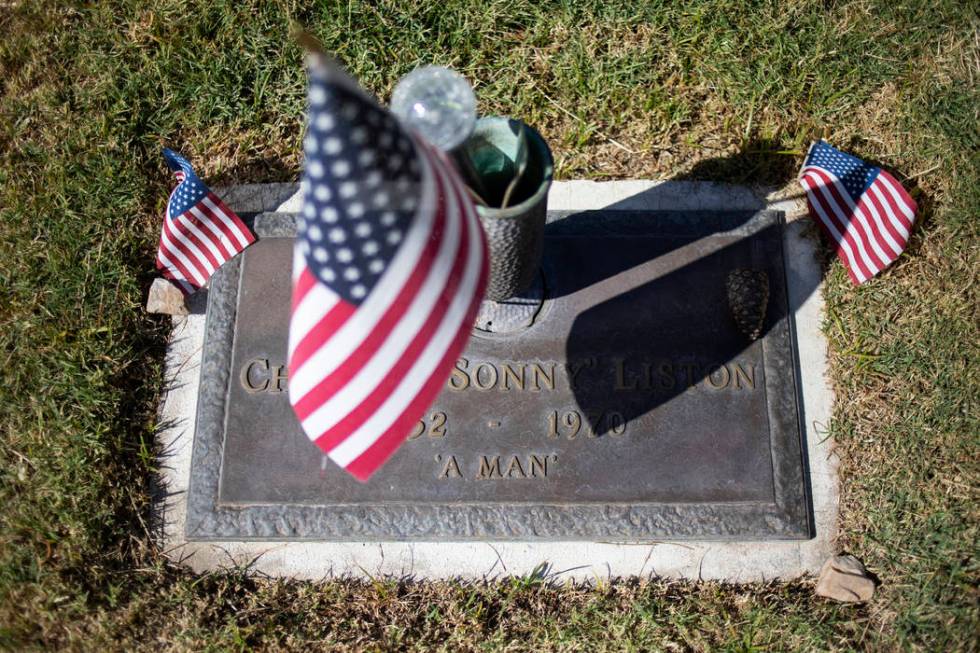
571	424
434	425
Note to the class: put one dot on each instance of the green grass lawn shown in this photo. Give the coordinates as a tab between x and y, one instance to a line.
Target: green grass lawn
715	89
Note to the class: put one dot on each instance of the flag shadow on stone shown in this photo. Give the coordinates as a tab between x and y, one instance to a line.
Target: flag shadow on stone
701	322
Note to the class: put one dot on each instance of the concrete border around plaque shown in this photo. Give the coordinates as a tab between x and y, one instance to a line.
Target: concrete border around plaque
733	530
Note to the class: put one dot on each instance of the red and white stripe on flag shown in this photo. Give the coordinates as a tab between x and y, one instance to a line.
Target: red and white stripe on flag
361	376
198	239
869	232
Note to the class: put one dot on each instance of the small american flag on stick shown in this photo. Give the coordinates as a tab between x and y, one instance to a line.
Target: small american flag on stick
199	232
389	267
861	208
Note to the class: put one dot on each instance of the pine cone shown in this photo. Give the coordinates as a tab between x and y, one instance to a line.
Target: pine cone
748	297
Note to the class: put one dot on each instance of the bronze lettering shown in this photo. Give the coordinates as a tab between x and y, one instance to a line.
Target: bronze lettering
538	374
621	384
492	373
459	379
417	430
725	378
553	424
451	469
572	370
435	427
574	422
539	466
646	379
438	427
740	374
246	376
259	375
515	470
511	374
690	369
489	467
535	377
571	423
535	466
617	423
281	378
591	421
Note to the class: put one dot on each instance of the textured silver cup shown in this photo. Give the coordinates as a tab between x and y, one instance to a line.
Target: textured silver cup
516	233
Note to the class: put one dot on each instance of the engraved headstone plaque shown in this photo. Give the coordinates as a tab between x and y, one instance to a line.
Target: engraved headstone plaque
652	396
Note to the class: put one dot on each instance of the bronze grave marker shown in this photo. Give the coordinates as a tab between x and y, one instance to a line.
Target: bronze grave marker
653	397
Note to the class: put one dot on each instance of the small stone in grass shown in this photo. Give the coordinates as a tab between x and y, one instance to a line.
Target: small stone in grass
165	298
844	578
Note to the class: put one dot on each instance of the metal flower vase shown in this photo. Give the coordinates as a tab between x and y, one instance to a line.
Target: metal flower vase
514	168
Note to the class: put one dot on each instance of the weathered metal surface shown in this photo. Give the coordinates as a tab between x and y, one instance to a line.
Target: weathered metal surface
635	406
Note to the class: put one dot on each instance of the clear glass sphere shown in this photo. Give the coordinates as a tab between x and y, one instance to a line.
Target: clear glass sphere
438	103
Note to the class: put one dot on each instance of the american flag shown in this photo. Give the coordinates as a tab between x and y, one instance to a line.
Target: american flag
860	207
389	267
199	231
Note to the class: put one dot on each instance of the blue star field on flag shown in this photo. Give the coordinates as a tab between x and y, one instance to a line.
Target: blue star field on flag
861	208
199	231
856	175
361	186
389	268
